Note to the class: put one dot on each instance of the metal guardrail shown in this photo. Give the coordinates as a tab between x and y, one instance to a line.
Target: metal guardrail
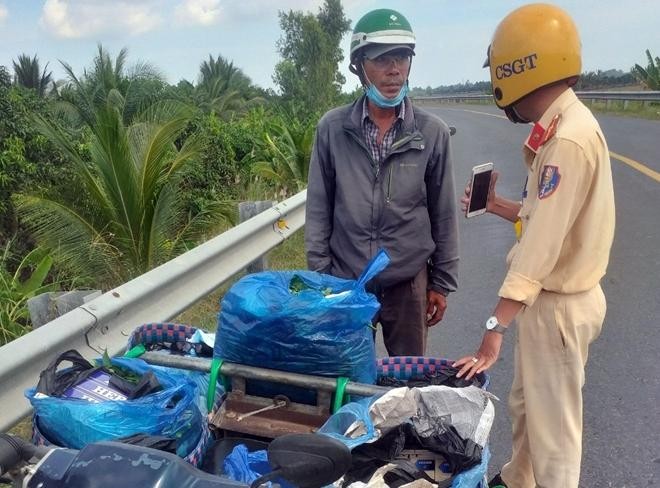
158	295
626	96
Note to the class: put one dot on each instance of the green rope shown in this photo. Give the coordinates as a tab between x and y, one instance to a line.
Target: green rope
136	351
340	394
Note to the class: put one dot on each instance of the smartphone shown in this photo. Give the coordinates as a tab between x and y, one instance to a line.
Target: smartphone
480	186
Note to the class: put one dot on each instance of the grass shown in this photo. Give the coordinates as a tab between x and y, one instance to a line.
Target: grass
288	255
648	110
23	429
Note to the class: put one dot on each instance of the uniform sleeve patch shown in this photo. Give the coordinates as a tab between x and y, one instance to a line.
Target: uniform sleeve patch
549	181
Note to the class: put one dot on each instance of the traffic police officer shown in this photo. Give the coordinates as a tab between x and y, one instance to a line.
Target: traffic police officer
566	226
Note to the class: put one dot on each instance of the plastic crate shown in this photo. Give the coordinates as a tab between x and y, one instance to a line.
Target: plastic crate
406	367
160	333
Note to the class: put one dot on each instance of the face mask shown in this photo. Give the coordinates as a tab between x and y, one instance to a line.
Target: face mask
381	101
513	115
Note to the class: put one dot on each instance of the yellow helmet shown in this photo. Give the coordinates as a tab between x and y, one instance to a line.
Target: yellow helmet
533	46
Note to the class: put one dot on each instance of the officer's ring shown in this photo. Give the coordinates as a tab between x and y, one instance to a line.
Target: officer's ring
475	360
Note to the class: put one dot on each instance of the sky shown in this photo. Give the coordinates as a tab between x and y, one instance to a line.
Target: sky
177	35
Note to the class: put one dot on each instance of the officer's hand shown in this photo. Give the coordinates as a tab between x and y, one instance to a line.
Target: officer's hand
492	195
485	357
436	304
490	203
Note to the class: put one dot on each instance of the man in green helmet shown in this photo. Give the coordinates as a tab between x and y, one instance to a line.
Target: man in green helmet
381	177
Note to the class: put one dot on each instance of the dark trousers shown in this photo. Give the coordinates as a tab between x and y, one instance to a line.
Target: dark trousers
402	316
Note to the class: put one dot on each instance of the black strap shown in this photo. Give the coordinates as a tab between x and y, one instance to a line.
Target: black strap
405	472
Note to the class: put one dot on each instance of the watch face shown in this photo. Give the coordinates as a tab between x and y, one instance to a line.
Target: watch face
491	323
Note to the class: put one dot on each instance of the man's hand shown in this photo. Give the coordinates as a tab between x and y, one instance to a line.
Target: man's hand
436	304
490	203
485	357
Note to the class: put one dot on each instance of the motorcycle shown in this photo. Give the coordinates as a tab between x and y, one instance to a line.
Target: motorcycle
304	460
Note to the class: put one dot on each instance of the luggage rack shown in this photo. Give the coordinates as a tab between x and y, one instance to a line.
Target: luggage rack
261	416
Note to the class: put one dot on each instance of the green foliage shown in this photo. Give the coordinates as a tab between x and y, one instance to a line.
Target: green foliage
650	75
220	75
132	217
222	89
5	77
598	80
311	53
283	161
28	74
27	281
223	170
465	87
109	82
27	158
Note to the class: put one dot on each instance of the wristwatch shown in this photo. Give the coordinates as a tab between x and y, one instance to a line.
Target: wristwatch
494	325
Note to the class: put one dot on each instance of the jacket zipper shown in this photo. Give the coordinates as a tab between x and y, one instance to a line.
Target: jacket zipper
388	198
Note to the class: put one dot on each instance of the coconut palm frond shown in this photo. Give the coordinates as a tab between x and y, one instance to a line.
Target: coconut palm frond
78	246
59	138
212	219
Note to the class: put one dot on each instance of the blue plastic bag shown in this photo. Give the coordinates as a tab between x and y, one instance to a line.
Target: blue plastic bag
242	465
352	414
320	326
171	412
473	477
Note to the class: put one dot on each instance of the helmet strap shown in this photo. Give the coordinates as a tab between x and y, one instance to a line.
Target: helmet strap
513	115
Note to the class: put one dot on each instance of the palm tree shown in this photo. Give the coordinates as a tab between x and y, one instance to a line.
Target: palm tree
109	81
286	153
130	216
28	74
650	75
223	88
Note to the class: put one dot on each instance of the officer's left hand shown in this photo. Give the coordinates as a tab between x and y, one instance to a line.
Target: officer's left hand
485	357
436	304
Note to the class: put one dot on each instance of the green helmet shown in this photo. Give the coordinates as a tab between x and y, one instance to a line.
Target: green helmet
381	26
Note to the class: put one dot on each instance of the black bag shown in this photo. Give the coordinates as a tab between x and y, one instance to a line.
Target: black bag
54	383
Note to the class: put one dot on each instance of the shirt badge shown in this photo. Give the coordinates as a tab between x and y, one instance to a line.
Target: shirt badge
533	142
549	181
551	130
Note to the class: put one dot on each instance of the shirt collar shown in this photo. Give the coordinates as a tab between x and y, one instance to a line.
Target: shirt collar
548	122
561	103
365	110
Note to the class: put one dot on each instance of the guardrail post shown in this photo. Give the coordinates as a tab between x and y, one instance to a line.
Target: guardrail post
247	210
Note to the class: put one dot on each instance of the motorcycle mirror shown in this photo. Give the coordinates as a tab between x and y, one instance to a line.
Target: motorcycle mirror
452	130
306	460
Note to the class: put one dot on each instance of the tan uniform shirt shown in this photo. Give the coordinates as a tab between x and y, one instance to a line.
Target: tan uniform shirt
567	212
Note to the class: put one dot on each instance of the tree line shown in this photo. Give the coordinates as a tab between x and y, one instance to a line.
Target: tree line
113	171
647	76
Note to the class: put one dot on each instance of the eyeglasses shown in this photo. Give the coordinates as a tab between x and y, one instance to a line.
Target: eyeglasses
385	60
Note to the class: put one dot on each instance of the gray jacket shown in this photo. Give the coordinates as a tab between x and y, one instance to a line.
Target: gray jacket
409	209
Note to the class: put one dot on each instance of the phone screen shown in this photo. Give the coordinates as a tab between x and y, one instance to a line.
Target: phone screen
479	194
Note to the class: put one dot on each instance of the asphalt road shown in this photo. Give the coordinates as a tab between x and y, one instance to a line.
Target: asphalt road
622	392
